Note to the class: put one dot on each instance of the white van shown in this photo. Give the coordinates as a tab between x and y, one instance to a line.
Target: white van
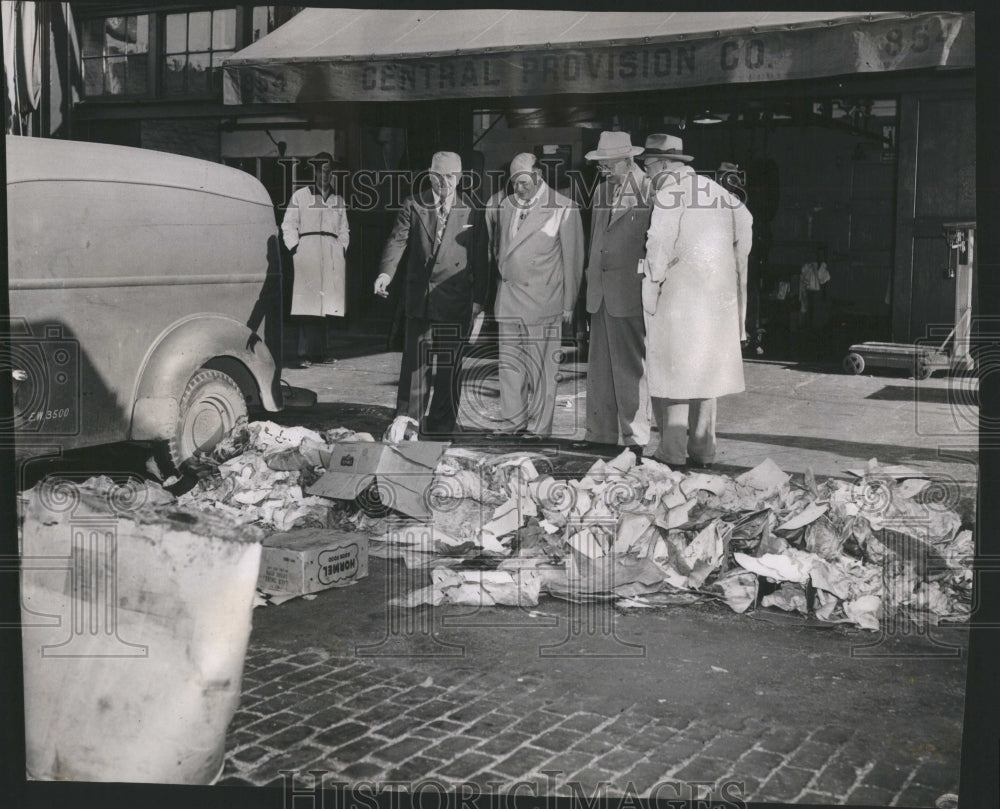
143	287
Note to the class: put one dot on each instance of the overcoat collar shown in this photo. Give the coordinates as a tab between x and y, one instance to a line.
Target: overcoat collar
537	216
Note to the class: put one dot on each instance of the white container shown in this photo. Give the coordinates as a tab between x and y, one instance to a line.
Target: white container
136	620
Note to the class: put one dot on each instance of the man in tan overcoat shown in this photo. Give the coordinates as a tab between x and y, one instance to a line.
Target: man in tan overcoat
540	258
694	293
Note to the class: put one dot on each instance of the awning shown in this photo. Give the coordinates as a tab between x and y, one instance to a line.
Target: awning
400	55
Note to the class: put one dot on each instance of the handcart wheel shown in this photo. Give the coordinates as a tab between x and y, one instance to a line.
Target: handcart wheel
854	363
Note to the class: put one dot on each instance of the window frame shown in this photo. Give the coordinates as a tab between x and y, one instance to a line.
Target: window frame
211	93
150	55
156	55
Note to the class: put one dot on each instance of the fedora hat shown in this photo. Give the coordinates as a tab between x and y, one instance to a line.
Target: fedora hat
614	146
669	146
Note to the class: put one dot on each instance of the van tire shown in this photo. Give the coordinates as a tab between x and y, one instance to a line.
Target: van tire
211	405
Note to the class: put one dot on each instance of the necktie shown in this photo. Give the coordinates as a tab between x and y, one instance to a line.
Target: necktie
442	220
519	219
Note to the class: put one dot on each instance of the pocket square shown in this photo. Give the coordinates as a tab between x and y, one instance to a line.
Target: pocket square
466	226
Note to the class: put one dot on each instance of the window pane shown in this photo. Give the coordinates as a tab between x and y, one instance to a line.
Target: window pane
197	72
115	34
114	76
224	29
176	33
219	56
141	42
263	22
93	76
199	31
135	79
93	37
173	76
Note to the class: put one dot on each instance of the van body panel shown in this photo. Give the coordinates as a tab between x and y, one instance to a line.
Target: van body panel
178	354
140	266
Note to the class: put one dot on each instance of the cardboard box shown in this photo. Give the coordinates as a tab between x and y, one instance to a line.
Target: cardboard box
308	560
403	471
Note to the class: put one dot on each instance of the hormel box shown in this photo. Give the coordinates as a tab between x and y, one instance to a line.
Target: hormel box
308	560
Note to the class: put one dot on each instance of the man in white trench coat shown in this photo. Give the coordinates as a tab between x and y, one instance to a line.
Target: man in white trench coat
695	297
315	230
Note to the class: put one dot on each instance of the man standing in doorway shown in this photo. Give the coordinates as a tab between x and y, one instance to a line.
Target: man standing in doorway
540	258
444	236
695	296
617	399
315	230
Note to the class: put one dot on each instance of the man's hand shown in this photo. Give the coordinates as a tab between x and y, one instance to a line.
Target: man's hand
476	309
567	317
382	285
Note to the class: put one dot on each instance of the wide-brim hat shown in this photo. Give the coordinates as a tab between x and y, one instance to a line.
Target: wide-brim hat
614	146
668	146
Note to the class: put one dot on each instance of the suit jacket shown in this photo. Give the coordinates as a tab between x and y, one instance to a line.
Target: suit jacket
617	243
441	284
541	266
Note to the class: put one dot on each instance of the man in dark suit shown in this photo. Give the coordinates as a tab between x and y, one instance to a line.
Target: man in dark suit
617	399
447	272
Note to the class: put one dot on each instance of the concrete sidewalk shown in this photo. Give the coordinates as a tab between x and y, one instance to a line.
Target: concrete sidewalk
800	415
778	708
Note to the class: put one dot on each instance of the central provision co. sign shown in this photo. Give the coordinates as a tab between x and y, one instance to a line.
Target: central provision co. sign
918	41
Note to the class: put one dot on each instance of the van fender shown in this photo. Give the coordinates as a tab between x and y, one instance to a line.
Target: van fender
195	342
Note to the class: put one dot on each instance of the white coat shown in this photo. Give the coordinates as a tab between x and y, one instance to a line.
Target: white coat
317	230
695	289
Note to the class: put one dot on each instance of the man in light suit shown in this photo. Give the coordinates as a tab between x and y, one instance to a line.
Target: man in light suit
540	258
444	236
617	399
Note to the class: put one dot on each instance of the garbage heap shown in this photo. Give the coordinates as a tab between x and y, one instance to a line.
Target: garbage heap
505	529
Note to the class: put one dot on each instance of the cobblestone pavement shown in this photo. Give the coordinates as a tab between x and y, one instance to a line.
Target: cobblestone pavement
360	721
807	740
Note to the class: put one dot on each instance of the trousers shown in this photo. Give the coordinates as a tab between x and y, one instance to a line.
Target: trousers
687	430
529	355
617	392
429	384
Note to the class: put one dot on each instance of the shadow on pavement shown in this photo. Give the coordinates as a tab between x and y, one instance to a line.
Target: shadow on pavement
964	397
327	415
886	453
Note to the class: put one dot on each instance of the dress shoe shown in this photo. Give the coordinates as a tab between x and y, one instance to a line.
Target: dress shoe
698	466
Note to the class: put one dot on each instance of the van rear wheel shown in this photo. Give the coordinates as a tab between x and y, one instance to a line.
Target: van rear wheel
210	406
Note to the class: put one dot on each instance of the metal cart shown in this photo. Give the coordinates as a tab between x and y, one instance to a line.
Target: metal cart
953	352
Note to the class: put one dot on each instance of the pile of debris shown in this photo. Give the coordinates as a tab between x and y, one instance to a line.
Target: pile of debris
643	534
260	473
494	529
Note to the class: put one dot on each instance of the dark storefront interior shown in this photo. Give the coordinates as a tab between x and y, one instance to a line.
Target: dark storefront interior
821	163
